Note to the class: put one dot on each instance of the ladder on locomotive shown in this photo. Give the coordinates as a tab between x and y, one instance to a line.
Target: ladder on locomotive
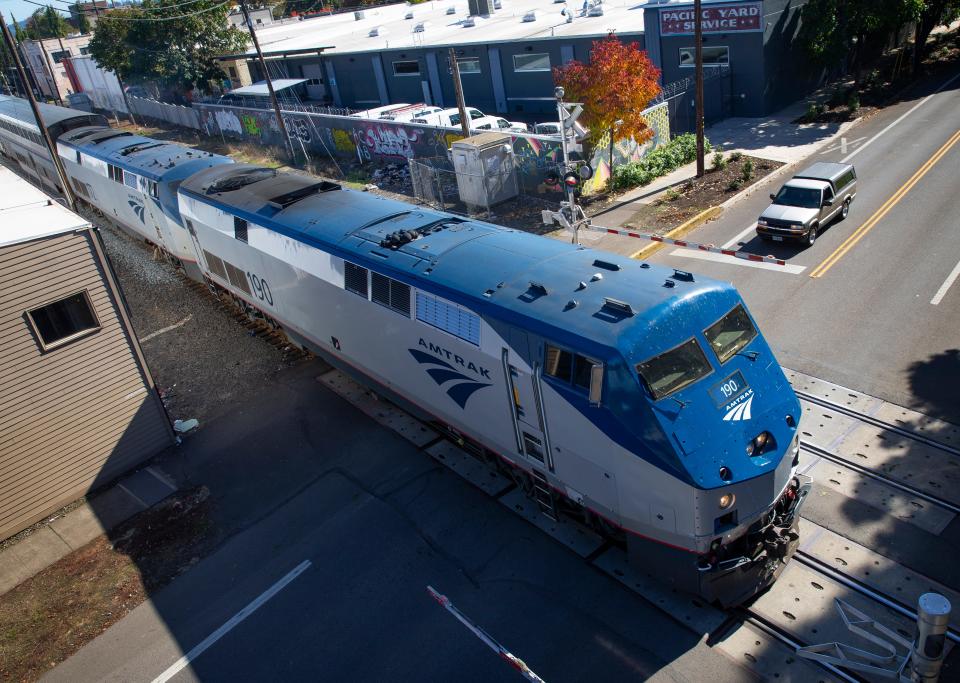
543	495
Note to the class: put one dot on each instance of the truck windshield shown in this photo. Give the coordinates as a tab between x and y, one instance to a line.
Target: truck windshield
731	333
805	197
675	369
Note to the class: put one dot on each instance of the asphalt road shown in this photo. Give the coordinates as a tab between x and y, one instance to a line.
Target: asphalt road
299	475
867	321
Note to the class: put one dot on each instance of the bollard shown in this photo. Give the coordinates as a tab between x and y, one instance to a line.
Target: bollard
933	616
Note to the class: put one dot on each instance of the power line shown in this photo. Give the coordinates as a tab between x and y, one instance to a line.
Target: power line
114	17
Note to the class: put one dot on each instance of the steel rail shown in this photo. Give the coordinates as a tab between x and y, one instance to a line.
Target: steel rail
876	422
840	577
860	469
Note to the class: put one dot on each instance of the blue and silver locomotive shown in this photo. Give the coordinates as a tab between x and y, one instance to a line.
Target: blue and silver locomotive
640	400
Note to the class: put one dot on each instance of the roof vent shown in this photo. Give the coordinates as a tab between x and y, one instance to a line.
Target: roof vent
538	288
377	31
451	10
408	15
619	306
573	303
421	27
469	22
682	275
358	15
529	16
595	11
596	277
606	264
581	285
290	198
669	283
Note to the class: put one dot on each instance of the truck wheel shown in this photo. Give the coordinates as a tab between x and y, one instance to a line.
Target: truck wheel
812	235
845	210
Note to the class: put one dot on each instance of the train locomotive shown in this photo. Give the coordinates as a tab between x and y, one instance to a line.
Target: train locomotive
641	400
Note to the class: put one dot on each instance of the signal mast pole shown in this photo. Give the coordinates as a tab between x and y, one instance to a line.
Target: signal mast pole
698	39
61	173
458	88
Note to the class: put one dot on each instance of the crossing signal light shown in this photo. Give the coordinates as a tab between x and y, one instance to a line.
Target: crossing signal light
552	179
571	179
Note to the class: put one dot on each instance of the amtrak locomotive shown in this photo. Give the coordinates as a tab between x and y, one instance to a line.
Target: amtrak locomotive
641	400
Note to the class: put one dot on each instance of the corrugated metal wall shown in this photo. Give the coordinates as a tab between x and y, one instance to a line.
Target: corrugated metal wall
76	416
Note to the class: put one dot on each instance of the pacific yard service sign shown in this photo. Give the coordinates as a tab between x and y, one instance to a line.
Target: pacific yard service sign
737	18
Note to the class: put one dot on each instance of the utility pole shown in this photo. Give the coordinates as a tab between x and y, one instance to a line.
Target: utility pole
51	147
458	87
698	39
273	95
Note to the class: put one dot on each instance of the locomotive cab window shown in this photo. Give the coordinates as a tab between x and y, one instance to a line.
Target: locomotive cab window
574	369
731	333
64	320
671	371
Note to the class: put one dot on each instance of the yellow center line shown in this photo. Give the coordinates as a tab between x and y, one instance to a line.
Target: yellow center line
858	234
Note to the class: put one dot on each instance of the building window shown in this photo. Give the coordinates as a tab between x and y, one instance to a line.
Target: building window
62	321
536	62
469	65
232	71
714	55
411	68
59	56
84	50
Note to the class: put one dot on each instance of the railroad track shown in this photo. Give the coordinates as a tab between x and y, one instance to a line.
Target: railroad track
876	422
877	476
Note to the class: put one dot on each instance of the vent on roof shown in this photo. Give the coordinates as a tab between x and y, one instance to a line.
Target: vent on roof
595	11
606	265
284	200
408	15
378	31
451	10
469	22
530	16
618	306
538	288
682	275
358	15
421	27
140	147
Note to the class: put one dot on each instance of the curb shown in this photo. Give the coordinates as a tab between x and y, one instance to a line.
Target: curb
680	231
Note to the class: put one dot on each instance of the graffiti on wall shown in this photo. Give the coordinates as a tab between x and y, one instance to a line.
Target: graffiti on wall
347	137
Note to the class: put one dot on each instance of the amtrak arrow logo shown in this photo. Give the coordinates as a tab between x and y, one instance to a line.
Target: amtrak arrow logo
740	410
137	209
460	387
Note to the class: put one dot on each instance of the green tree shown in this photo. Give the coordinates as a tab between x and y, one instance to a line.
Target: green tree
83	24
159	41
18	31
47	22
928	15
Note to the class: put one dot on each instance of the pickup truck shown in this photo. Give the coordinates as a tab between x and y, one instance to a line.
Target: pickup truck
808	202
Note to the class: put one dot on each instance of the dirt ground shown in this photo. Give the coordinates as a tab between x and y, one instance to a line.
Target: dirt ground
50	616
686	201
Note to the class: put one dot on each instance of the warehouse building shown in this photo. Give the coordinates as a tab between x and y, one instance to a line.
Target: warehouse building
78	406
506	50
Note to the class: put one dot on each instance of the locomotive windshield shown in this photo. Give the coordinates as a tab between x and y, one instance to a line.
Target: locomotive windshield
675	369
731	333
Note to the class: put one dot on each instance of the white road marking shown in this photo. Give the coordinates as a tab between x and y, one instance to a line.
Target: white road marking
844	143
912	109
733	261
752	228
938	297
167	329
182	663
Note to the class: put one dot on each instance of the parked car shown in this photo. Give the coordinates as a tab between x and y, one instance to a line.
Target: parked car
416	111
80	100
376	112
547	129
808	202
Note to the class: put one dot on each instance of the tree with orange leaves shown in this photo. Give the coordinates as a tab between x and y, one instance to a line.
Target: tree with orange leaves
614	87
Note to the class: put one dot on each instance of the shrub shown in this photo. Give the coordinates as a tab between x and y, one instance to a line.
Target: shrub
746	172
719	161
679	151
853	104
811	114
671	195
734	185
736	156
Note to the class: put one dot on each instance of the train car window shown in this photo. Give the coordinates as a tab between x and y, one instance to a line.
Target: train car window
671	371
154	190
731	333
355	279
79	159
559	363
62	321
115	173
240	229
581	371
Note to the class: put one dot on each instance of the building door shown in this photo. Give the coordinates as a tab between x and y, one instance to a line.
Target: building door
316	90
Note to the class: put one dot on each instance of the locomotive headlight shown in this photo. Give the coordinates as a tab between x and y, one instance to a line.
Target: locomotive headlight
759	444
726	500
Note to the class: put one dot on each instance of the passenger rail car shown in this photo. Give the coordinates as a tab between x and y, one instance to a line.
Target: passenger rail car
21	140
641	398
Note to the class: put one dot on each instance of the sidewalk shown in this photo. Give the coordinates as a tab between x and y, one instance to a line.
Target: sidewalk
59	536
775	137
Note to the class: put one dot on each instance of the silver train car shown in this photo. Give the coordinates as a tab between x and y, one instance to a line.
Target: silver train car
639	400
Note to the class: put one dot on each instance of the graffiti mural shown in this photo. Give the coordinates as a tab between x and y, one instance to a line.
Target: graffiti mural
351	138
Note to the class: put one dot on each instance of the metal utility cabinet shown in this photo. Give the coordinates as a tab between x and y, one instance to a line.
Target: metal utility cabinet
486	174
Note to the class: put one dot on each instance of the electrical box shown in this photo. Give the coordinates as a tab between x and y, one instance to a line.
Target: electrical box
486	173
